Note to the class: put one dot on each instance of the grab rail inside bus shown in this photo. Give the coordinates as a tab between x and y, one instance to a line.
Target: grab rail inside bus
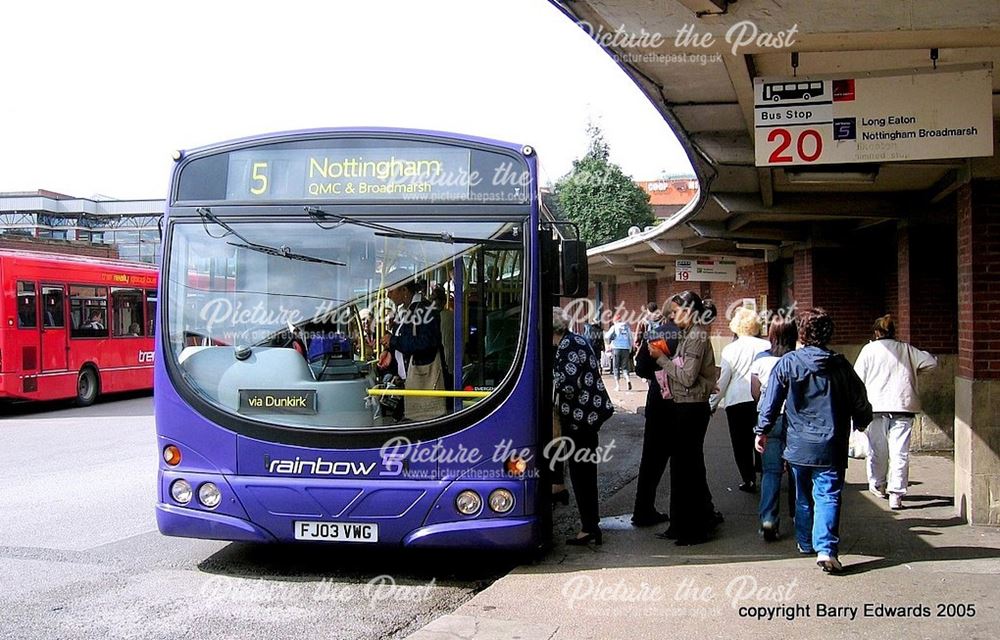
428	393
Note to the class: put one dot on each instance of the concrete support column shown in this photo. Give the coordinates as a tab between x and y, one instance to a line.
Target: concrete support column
977	381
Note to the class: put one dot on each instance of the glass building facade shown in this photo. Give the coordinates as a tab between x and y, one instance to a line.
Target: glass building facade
131	227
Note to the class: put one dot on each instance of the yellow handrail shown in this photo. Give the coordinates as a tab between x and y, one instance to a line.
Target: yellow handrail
428	393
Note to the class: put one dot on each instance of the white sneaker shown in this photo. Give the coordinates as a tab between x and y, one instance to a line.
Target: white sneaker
830	564
875	491
895	501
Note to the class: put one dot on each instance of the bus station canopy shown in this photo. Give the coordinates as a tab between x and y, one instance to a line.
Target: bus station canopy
699	73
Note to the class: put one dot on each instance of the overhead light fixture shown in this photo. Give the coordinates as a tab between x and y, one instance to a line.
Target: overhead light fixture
646	269
759	246
860	174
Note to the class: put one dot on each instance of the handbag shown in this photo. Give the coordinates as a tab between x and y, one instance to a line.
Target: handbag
857	445
428	377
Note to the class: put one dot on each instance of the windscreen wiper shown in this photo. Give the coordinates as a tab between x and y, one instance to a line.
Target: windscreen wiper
281	252
386	231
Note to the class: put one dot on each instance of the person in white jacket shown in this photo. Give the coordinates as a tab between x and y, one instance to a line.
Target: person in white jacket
734	393
889	370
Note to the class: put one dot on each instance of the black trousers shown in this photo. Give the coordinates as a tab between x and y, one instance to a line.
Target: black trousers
583	476
691	507
742	419
656	449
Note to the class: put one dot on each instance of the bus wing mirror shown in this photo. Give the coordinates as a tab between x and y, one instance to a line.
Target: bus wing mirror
573	268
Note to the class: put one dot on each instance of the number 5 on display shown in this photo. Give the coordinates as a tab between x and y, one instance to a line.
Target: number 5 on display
259	176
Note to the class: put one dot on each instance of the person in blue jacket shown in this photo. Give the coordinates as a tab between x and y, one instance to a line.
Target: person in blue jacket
822	396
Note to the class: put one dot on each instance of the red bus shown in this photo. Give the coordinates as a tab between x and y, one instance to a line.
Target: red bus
73	326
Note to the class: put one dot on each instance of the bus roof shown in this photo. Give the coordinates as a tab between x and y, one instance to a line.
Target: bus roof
64	258
279	136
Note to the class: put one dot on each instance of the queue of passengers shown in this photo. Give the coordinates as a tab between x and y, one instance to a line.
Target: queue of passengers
790	402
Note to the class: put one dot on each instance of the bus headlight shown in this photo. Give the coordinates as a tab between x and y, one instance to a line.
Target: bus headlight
468	503
180	491
209	495
501	500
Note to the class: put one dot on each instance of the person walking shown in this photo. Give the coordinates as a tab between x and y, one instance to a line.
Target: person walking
782	335
659	414
734	393
594	334
583	405
692	516
620	337
889	368
822	396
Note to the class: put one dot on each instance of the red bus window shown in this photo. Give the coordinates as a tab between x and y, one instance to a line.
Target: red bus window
150	312
88	311
126	312
27	311
53	314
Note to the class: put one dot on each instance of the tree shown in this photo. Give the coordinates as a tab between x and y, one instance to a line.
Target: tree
598	196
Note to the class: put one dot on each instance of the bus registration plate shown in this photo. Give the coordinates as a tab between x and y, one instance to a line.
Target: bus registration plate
336	531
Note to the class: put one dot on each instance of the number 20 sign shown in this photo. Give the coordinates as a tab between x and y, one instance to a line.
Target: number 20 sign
793	145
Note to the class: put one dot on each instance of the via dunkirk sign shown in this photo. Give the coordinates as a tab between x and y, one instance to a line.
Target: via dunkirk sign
875	117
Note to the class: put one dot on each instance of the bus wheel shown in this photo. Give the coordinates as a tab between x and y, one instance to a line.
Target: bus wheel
87	386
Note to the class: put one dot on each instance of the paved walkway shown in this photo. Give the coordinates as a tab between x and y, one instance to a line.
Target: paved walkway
910	573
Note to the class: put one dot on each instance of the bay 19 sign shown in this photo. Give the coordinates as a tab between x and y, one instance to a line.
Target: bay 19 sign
356	170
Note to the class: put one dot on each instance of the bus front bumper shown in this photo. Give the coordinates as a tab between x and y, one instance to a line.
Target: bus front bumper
493	533
191	523
507	533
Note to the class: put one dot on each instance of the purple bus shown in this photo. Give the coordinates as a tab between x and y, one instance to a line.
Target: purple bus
354	341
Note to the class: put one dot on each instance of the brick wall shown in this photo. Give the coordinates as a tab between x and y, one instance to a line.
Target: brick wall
851	290
751	282
802	287
854	284
978	258
933	295
898	294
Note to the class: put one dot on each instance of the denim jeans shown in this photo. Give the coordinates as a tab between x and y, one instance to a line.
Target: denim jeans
619	363
817	508
770	479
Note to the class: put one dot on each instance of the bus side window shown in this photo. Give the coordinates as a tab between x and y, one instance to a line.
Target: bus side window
26	309
126	308
52	311
88	308
150	312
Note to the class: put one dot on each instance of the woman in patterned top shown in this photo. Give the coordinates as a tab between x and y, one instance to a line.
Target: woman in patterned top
582	404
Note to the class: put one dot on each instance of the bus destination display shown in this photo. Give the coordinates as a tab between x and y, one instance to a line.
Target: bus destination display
349	174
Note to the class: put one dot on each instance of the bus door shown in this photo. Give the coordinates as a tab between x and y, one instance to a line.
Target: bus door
53	325
27	335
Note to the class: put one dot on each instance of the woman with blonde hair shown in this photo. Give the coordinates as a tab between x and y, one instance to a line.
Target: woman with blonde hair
734	393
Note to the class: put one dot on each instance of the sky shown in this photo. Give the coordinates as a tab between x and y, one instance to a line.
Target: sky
98	94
